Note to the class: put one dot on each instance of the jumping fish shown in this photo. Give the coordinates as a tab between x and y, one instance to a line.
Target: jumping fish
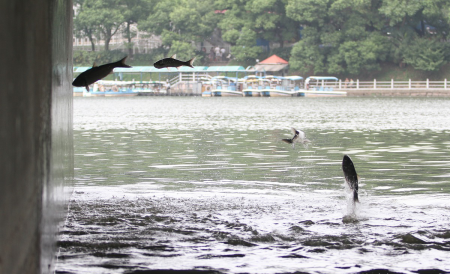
350	176
174	63
96	73
299	137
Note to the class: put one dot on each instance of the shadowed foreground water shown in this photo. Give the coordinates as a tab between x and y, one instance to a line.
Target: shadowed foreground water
206	185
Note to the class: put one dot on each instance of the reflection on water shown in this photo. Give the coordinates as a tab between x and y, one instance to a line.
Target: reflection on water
207	185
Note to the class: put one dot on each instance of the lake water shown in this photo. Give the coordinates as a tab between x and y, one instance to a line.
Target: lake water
207	185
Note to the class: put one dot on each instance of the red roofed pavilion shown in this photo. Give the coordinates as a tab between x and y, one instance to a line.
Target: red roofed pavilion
274	59
272	64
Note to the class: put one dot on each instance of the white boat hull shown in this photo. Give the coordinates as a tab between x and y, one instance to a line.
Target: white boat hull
226	93
251	93
322	93
279	93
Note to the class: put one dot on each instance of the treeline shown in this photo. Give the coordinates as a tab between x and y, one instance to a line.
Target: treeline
319	36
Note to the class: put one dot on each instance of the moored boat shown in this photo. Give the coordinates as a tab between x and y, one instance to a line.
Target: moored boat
223	86
122	88
321	86
253	86
283	86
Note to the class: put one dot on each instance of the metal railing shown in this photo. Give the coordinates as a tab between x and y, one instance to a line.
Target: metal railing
389	84
189	77
188	83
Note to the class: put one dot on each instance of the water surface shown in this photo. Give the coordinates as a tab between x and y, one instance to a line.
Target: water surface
205	184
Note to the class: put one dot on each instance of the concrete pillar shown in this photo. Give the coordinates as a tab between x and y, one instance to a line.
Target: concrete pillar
36	146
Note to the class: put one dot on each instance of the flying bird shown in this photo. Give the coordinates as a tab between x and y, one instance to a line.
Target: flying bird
174	63
299	137
96	73
351	177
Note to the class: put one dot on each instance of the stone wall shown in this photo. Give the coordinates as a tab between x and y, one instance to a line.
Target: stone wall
36	146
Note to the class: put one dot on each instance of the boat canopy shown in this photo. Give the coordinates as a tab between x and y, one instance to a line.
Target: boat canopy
225	69
224	77
189	69
137	69
252	77
140	69
323	78
293	78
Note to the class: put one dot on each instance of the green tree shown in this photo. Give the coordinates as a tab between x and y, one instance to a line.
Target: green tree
103	16
237	30
425	54
83	23
270	21
347	36
180	23
417	30
339	36
246	21
133	11
360	45
109	19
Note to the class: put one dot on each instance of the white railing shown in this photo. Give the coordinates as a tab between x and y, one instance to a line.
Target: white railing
389	84
188	83
189	77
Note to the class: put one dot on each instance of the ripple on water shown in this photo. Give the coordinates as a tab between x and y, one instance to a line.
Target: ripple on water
207	185
237	232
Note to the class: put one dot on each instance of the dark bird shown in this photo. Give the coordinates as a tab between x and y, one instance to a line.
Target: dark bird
96	73
174	63
350	176
299	137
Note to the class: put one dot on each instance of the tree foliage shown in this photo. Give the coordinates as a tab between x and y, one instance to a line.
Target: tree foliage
426	54
246	21
97	17
348	36
329	36
180	23
84	22
133	12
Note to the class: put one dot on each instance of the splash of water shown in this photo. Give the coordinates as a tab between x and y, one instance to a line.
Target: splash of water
353	208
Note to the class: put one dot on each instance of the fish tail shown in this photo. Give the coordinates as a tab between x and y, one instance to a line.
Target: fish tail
191	62
355	196
122	64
